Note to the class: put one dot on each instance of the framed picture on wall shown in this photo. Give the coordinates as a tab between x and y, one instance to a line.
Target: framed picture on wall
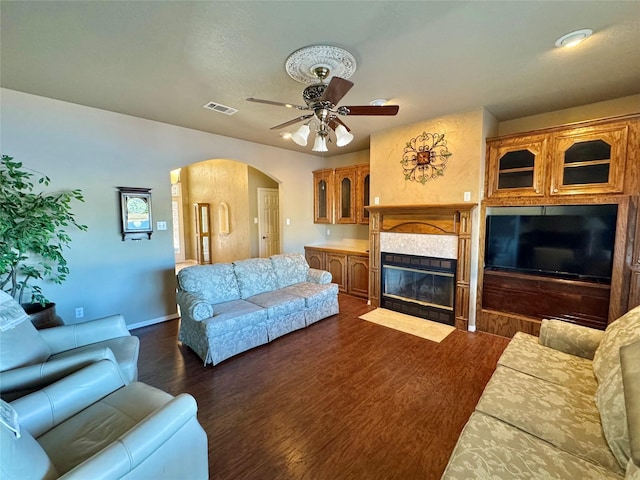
135	207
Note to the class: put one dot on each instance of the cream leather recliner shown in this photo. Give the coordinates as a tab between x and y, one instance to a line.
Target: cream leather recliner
92	425
31	359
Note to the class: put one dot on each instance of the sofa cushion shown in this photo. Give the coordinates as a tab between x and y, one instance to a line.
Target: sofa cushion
491	449
93	429
233	316
567	419
278	303
290	268
610	401
22	345
255	276
313	293
630	363
633	471
623	331
525	354
215	283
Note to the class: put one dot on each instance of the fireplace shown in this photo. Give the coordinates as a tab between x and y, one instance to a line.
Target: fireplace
420	286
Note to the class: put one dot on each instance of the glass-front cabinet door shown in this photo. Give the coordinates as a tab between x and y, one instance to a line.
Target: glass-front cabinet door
323	196
362	193
516	166
589	160
345	184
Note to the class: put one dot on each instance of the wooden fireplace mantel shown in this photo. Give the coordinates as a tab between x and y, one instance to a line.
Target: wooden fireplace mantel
450	219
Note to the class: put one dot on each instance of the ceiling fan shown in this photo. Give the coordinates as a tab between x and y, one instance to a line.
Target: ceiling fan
321	100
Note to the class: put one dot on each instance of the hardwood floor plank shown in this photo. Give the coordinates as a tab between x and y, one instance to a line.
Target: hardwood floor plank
343	398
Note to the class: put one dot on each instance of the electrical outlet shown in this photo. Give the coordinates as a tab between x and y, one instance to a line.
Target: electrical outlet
376	200
467	196
79	312
328	232
288	221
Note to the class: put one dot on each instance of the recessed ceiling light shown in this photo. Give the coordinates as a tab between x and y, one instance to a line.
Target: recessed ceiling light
573	38
378	102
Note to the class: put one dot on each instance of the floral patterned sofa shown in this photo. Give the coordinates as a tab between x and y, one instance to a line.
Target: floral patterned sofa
227	308
564	406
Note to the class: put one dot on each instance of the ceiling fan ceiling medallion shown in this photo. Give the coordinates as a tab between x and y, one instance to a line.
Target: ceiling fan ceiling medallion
326	70
309	64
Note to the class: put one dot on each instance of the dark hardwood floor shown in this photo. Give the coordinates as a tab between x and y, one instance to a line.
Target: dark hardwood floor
341	399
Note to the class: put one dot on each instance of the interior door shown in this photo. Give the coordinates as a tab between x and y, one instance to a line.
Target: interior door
203	232
268	222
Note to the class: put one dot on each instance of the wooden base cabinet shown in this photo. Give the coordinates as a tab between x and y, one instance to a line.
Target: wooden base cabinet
349	269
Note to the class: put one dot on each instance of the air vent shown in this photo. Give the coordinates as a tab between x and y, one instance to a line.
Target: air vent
217	107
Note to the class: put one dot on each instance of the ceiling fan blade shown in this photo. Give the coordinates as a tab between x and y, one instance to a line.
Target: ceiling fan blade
291	122
335	121
338	88
373	110
278	104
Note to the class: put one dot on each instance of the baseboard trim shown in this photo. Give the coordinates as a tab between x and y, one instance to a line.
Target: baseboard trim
153	321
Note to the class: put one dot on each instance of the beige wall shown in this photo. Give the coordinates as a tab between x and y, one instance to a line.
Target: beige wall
594	111
464	135
214	182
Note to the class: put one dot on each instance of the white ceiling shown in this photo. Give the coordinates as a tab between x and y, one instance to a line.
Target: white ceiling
163	60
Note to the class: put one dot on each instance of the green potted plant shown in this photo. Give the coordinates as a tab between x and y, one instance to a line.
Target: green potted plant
32	233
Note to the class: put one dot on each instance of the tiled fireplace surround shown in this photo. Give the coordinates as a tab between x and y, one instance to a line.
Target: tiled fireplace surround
425	230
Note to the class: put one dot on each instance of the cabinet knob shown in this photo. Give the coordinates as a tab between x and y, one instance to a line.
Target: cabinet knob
555	190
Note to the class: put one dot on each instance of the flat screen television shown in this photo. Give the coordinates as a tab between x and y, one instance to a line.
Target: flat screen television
564	241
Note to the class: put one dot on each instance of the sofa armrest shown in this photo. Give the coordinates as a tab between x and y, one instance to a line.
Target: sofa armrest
319	276
38	375
630	365
196	307
76	335
569	338
121	457
44	409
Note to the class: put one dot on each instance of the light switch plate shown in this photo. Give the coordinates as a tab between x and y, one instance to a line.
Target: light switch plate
162	225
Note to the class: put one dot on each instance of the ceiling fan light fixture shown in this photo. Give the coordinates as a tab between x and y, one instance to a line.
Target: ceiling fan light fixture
574	38
320	145
301	135
343	137
378	102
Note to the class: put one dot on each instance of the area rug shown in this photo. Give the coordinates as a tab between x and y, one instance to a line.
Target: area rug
436	332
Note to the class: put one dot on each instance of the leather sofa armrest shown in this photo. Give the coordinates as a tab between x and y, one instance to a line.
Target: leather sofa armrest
134	447
76	335
196	307
44	409
569	338
30	377
318	276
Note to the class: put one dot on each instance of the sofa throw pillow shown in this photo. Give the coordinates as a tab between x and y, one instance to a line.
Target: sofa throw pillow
215	283
623	331
22	345
255	276
290	268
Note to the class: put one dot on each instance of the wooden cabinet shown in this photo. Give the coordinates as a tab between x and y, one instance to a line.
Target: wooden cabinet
585	159
323	188
336	264
516	166
340	195
345	198
349	269
589	160
358	275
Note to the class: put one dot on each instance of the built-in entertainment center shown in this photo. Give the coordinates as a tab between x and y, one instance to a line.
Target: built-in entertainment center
559	225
